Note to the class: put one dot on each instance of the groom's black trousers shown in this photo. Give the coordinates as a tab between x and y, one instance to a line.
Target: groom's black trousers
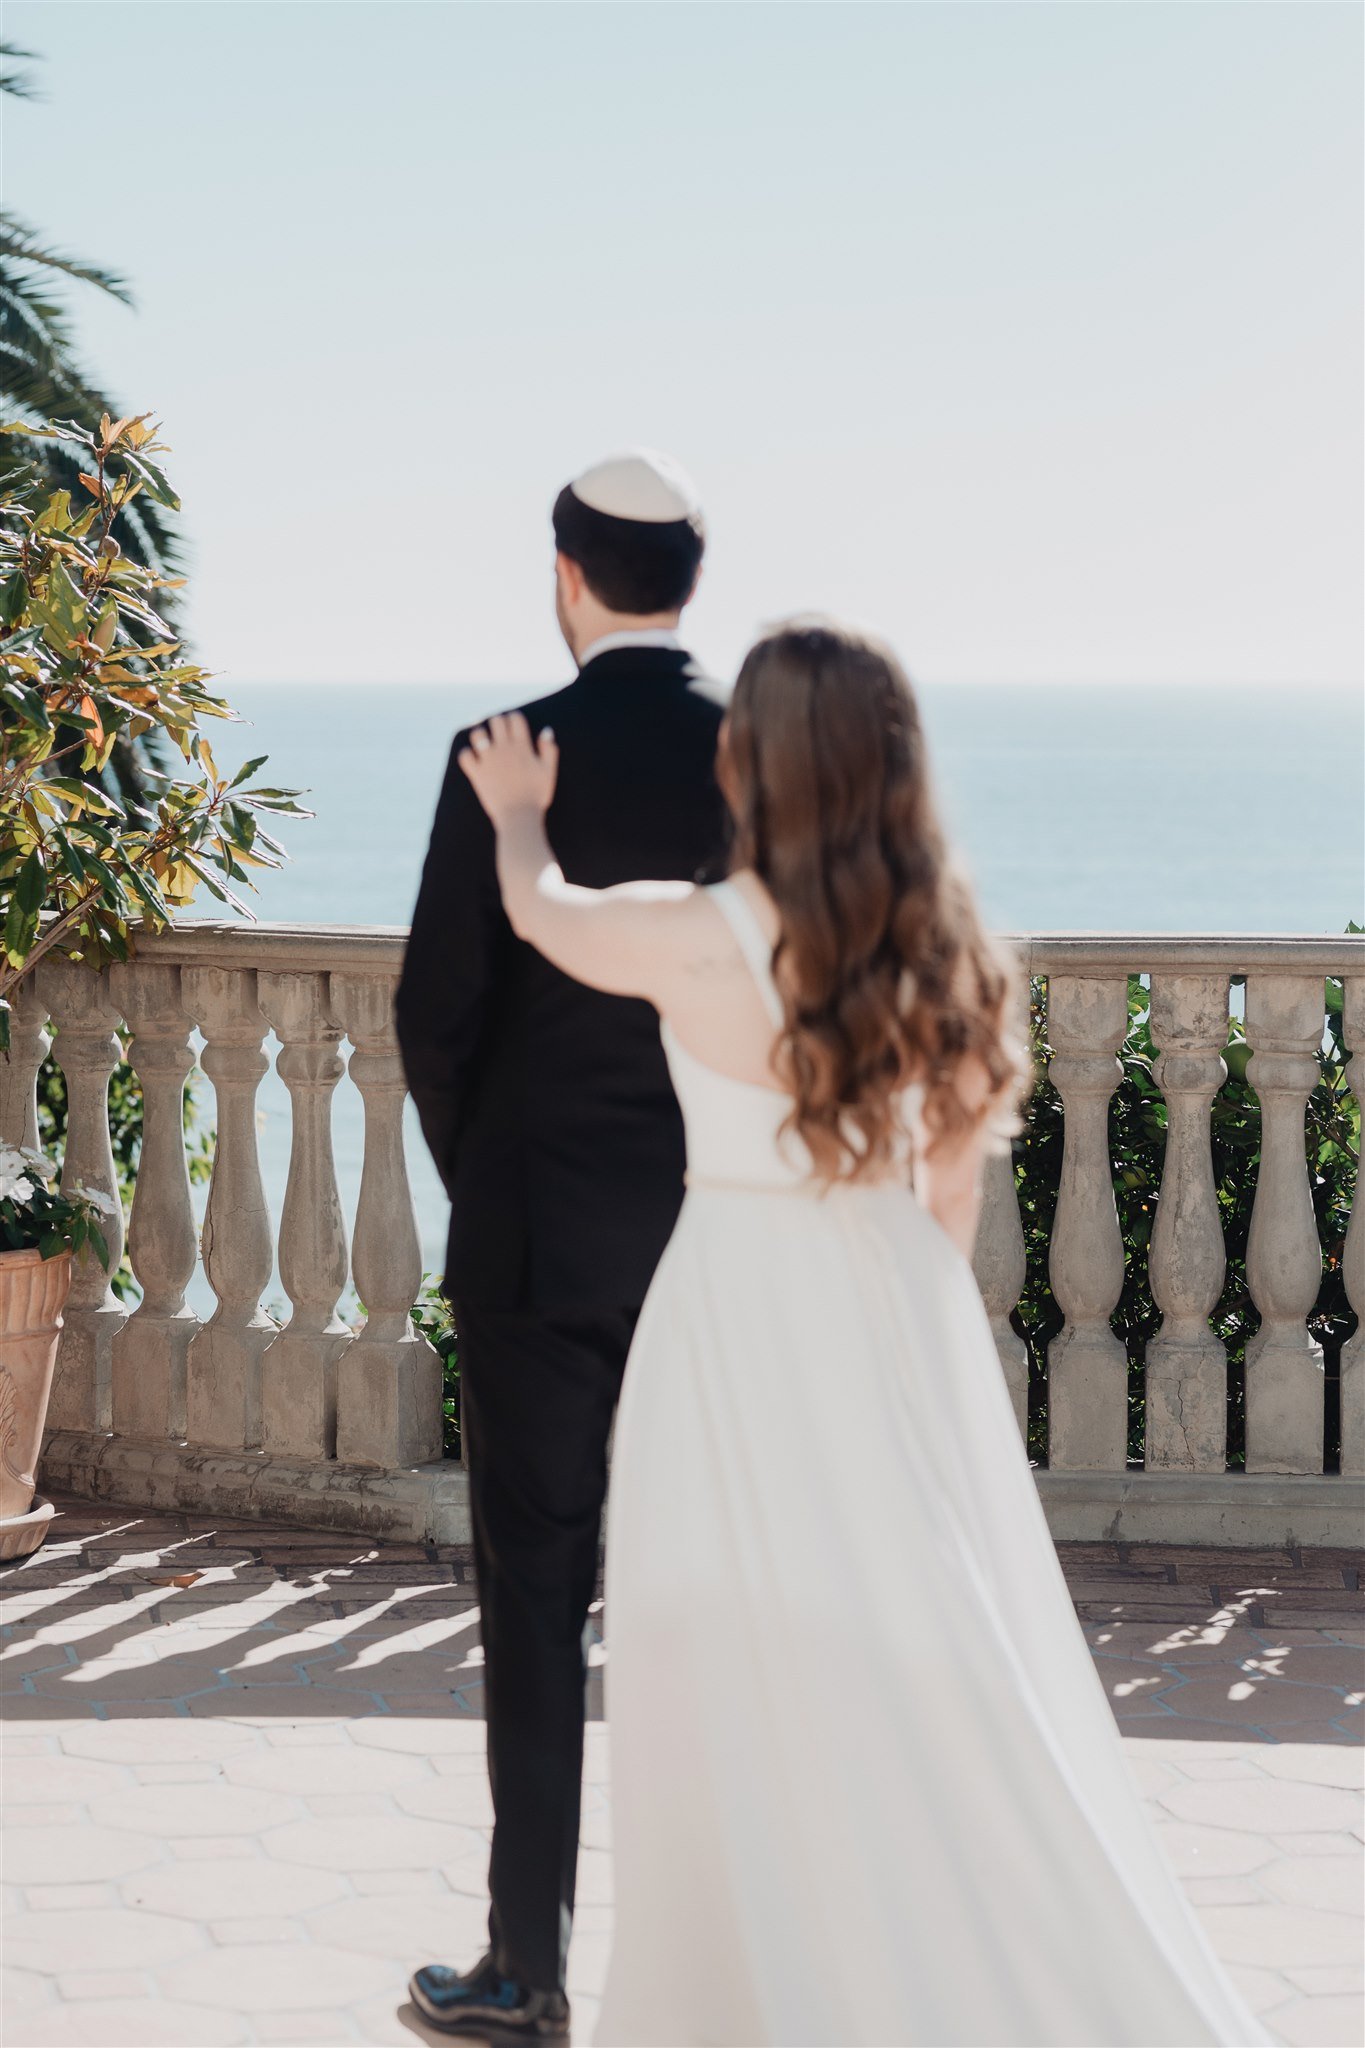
538	1392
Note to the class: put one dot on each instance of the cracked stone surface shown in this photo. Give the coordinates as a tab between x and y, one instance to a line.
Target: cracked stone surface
244	1792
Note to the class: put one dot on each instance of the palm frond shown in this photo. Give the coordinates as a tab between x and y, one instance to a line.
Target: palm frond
17	84
21	243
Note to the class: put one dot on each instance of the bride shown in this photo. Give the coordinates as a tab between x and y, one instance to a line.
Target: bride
865	1783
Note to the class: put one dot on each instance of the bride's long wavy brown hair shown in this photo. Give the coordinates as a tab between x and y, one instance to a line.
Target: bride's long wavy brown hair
886	974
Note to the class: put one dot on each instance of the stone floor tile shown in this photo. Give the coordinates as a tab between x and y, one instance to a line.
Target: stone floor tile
1199	1851
394	1842
436	1736
468	1872
236	1888
173	1811
259	1705
23	1990
463	1796
393	2020
1321	2022
348	1805
594	1886
408	1929
31	1707
177	1740
1347	1729
58	1777
75	1855
177	1774
102	1984
25	1660
1328	1580
1336	1884
1222	1891
113	1938
331	1767
1085	1559
376	1884
244	1933
1279	1936
69	1898
1123	1676
279	1977
1336	1982
1306	1764
1336	1844
458	1763
17	1746
1245	1701
226	1847
1261	1990
170	1678
289	2028
129	2023
466	1701
1335	1664
1262	1807
1186	1646
594	1830
59	1814
304	1731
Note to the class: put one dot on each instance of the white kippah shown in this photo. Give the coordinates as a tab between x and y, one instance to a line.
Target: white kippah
639	484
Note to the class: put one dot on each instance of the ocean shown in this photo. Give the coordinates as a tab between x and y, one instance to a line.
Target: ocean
1078	809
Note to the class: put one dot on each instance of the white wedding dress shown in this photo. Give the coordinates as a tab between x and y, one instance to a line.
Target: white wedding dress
866	1786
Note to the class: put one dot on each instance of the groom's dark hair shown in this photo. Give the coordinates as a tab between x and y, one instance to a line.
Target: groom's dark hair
636	566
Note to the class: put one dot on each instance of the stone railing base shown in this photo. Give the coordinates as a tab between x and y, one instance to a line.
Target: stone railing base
430	1503
424	1504
1226	1510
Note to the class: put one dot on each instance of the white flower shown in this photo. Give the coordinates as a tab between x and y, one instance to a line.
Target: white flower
97	1199
14	1187
39	1164
12	1159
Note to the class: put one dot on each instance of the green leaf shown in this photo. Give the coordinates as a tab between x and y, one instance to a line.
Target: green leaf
153	479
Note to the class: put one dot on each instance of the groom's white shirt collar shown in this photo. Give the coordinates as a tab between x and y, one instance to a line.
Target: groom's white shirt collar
647	636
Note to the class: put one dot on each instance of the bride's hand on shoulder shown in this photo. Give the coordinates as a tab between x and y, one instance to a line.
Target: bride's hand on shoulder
510	771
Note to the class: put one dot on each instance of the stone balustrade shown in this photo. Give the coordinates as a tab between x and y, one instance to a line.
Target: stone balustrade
316	1421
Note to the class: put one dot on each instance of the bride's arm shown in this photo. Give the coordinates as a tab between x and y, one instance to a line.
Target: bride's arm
949	1170
625	940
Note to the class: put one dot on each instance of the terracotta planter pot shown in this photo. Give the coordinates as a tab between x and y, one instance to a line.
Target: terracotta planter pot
33	1292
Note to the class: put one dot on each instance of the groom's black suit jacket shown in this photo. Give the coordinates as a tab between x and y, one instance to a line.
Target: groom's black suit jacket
547	1105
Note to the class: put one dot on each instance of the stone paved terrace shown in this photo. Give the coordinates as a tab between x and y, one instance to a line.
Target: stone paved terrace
244	1791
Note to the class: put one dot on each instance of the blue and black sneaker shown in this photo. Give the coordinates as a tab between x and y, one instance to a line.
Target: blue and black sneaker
484	2001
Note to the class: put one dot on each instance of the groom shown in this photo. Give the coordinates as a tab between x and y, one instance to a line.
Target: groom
548	1110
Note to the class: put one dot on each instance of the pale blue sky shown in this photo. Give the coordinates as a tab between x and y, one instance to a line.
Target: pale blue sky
1029	333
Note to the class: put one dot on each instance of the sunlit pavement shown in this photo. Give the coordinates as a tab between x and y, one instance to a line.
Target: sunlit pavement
244	1792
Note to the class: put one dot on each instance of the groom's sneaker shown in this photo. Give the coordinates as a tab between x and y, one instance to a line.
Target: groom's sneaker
483	2001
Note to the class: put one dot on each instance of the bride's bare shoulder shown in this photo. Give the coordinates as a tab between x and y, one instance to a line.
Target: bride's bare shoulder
755	893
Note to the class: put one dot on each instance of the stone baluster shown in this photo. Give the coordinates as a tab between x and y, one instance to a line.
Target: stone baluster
1087	1367
28	1045
1187	1370
87	1050
223	1367
299	1371
151	1348
1353	1257
389	1379
999	1265
1284	1366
